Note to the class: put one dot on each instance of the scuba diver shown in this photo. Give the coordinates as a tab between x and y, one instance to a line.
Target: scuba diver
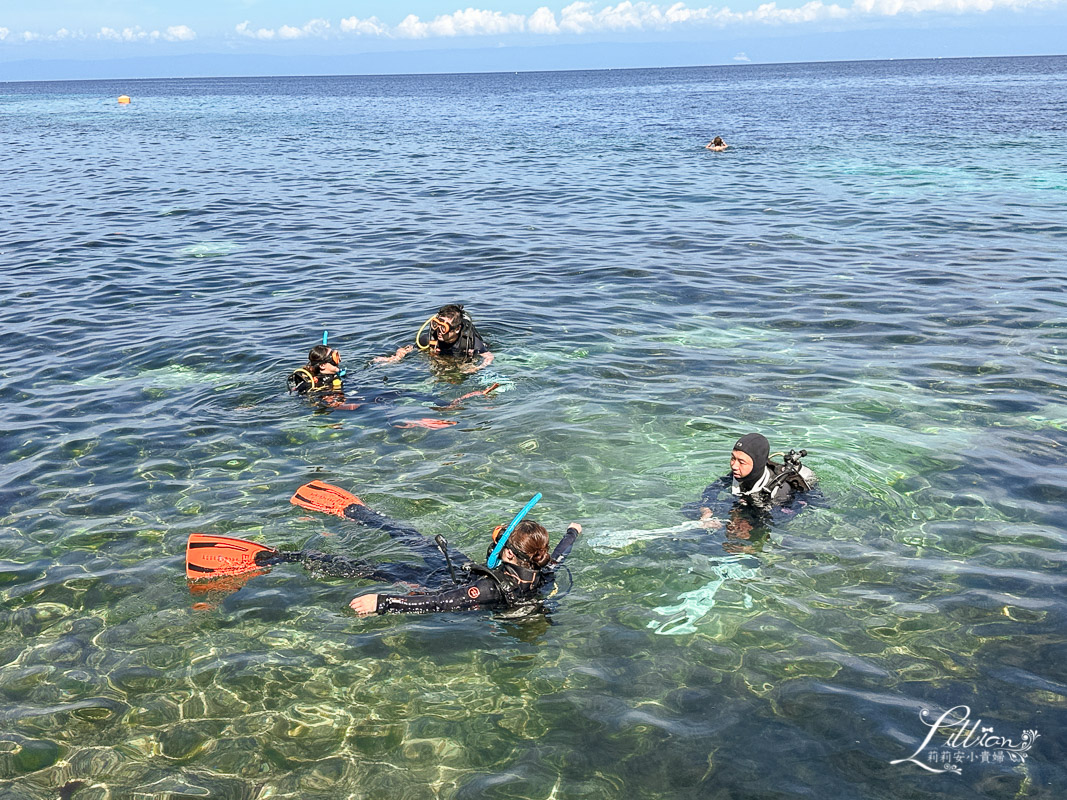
321	378
757	485
757	480
518	573
323	371
451	334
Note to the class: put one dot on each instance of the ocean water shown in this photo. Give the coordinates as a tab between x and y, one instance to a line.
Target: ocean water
873	271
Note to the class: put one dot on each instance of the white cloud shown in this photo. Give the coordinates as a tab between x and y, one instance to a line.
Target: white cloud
579	18
542	21
263	33
583	17
315	28
179	33
135	34
175	33
312	29
742	57
468	22
367	27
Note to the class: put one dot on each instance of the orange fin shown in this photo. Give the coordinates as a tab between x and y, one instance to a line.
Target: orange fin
324	497
213	588
426	422
208	556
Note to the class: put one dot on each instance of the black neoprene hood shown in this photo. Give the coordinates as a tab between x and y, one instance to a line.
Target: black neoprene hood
756	446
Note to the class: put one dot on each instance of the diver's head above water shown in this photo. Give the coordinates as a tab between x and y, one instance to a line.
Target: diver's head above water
324	359
527	546
447	323
749	459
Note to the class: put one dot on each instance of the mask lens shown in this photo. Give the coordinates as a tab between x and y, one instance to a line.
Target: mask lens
335	357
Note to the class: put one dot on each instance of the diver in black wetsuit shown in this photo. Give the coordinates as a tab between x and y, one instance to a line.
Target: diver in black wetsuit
757	481
743	501
526	569
525	572
451	334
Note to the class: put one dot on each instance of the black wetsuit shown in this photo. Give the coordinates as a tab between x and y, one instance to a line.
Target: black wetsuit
778	488
506	586
468	345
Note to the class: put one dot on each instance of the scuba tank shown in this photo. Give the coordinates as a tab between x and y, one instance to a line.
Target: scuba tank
792	472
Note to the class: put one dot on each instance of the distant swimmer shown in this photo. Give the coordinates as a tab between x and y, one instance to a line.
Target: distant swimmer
716	144
448	334
518	574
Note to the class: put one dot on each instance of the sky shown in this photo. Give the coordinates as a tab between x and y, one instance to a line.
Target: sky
161	37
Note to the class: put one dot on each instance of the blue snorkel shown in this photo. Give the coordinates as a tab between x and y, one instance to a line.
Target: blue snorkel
342	371
494	557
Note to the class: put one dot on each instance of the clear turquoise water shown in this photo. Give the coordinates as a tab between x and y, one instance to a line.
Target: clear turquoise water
873	271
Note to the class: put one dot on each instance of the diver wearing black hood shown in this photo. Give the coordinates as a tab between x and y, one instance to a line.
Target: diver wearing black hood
757	481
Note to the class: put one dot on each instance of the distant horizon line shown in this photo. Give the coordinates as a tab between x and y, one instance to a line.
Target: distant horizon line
233	56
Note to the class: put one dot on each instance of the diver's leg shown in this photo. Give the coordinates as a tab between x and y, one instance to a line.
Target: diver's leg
335	566
407	535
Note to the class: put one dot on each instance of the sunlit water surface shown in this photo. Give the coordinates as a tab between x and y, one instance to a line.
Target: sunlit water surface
874	271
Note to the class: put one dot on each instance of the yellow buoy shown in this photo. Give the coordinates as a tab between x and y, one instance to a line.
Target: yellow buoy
124	100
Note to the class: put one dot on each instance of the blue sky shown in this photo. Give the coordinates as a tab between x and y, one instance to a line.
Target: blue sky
772	31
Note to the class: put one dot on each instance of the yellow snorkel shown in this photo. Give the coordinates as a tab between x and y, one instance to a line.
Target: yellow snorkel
438	326
429	339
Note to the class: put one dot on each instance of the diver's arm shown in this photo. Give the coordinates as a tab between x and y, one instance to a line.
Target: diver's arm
563	549
397	356
704	508
487	359
483	593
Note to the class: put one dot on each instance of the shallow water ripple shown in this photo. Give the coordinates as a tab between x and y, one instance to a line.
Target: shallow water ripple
896	309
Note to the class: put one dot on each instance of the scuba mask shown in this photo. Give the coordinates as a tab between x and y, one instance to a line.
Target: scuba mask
439	328
499	529
442	327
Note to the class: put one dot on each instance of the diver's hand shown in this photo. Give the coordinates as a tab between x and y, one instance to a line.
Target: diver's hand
577	526
470	369
399	354
365	604
707	521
